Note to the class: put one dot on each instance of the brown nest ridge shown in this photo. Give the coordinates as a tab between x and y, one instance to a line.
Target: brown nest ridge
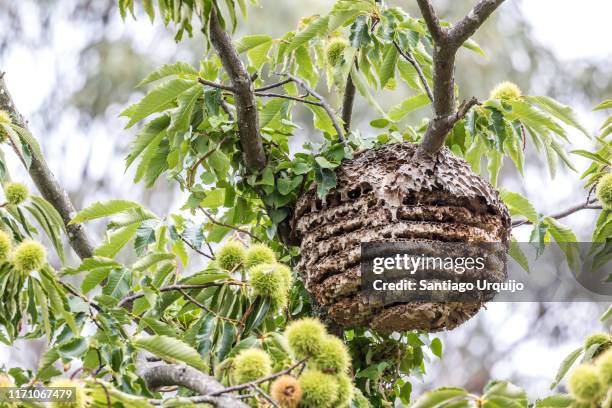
386	195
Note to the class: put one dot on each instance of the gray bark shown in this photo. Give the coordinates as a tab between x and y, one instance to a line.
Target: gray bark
48	185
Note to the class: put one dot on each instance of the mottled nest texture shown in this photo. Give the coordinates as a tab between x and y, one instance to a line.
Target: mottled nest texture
394	194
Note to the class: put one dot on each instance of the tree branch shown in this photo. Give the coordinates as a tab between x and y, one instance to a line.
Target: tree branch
177	287
347	103
447	42
242	87
162	375
431	20
291	98
324	103
215	85
48	185
562	214
464	29
410	58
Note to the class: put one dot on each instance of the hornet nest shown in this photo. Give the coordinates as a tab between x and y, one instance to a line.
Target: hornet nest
393	194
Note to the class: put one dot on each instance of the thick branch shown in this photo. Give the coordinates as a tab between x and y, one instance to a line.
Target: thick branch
47	184
347	103
447	42
242	86
464	29
431	20
163	375
562	214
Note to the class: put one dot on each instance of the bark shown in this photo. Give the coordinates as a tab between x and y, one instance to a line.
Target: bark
446	43
242	87
162	375
47	184
347	104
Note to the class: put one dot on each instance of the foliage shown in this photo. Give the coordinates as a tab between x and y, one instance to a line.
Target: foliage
245	317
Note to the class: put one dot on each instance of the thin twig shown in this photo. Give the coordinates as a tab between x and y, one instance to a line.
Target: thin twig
240	387
216	85
265	395
222	224
272	86
324	104
206	308
190	245
407	55
177	287
292	98
562	214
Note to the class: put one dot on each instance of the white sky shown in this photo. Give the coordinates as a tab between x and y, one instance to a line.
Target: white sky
572	29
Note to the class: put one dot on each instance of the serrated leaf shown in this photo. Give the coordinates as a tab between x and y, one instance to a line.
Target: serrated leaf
146	136
518	255
315	28
398	112
387	69
438	397
103	209
116	240
519	205
152	259
604	105
562	112
160	98
180	69
171	350
249	42
94	278
362	87
565	366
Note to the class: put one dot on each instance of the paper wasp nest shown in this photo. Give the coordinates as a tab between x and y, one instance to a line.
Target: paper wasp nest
388	195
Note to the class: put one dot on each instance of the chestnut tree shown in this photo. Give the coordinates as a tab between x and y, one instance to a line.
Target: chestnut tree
245	330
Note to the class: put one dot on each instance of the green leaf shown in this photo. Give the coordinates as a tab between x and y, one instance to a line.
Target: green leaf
436	347
171	350
565	366
362	87
387	69
116	240
181	118
152	259
160	98
103	209
604	105
519	205
94	278
473	46
607	315
556	401
436	398
146	136
562	112
398	112
315	28
518	255
560	232
270	111
593	156
118	284
249	42
180	69
533	118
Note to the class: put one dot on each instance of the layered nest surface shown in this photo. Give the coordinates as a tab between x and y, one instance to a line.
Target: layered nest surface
393	194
